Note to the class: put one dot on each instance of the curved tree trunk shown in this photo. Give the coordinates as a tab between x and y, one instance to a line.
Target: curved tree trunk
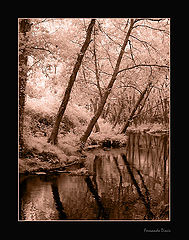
53	137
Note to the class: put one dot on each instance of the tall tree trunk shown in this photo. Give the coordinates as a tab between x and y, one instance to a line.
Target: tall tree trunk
24	27
53	137
95	102
94	119
135	108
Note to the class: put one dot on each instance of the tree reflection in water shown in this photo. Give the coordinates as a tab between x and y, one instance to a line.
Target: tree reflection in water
141	170
124	184
146	200
58	203
102	214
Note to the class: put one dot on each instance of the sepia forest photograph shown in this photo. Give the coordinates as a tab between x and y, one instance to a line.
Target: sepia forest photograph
94	119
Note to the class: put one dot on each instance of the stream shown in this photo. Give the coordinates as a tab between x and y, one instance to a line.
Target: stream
130	183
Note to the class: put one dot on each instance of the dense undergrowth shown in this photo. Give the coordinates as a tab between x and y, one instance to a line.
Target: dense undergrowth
39	119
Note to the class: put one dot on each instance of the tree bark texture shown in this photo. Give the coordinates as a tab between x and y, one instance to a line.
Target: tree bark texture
94	119
24	27
53	137
135	108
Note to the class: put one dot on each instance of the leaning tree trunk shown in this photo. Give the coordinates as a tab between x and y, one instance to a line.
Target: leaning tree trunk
94	119
143	104
53	137
121	107
130	118
94	103
24	27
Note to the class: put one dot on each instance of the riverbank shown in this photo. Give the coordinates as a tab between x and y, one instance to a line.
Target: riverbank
42	157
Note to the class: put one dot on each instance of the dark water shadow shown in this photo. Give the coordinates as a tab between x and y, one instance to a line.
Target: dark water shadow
102	213
146	203
61	212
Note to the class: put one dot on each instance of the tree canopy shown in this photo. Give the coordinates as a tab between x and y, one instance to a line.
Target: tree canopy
52	47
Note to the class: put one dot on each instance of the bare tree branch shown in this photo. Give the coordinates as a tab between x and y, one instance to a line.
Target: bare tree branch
150	19
130	86
155	19
43	49
131	51
144	43
143	65
100	28
109	57
146	26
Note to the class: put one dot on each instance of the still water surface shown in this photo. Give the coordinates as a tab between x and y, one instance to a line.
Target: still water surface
131	183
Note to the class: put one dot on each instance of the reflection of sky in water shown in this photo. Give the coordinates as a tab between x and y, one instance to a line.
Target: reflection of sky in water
38	199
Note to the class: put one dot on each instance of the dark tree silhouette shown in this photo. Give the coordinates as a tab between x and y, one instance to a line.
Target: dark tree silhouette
24	27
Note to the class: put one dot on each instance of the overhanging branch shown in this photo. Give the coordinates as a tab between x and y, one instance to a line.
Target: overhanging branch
143	65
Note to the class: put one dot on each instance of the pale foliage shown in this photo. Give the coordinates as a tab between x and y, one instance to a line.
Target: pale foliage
40	144
53	47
